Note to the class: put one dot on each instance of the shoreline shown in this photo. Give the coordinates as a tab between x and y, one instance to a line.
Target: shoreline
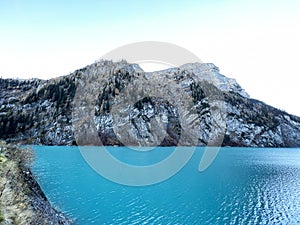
22	200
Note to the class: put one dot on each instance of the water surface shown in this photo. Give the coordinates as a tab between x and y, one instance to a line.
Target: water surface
242	186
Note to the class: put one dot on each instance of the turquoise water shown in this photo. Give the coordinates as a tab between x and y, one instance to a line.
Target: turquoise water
242	186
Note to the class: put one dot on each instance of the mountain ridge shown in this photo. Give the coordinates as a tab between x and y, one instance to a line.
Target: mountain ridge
42	111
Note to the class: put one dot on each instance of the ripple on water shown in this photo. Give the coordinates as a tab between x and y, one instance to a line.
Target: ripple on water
243	186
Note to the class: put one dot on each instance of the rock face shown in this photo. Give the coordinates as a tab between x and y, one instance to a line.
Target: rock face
21	198
119	104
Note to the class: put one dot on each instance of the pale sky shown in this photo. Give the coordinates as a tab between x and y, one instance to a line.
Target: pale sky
255	42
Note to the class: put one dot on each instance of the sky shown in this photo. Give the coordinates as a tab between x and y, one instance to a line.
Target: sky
255	42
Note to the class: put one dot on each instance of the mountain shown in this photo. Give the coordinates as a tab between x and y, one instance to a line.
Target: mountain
117	103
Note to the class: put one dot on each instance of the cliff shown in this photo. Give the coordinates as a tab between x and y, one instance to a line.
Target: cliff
21	198
119	104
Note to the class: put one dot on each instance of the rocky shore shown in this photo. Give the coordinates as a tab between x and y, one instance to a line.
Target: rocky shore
21	198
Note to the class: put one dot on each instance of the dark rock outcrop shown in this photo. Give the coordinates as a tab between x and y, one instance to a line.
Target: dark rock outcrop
122	105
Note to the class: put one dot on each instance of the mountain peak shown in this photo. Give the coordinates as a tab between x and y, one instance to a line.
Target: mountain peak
41	112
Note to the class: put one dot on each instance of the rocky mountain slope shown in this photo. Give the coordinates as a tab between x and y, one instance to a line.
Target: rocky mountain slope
119	104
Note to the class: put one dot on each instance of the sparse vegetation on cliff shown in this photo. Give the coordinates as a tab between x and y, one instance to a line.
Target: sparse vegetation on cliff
21	199
42	112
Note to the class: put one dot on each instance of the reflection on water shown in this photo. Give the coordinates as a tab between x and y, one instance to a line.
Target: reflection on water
242	186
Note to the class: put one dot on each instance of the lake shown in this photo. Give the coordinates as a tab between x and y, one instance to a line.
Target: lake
242	186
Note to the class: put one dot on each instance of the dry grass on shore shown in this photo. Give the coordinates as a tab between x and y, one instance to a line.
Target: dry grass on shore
22	202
